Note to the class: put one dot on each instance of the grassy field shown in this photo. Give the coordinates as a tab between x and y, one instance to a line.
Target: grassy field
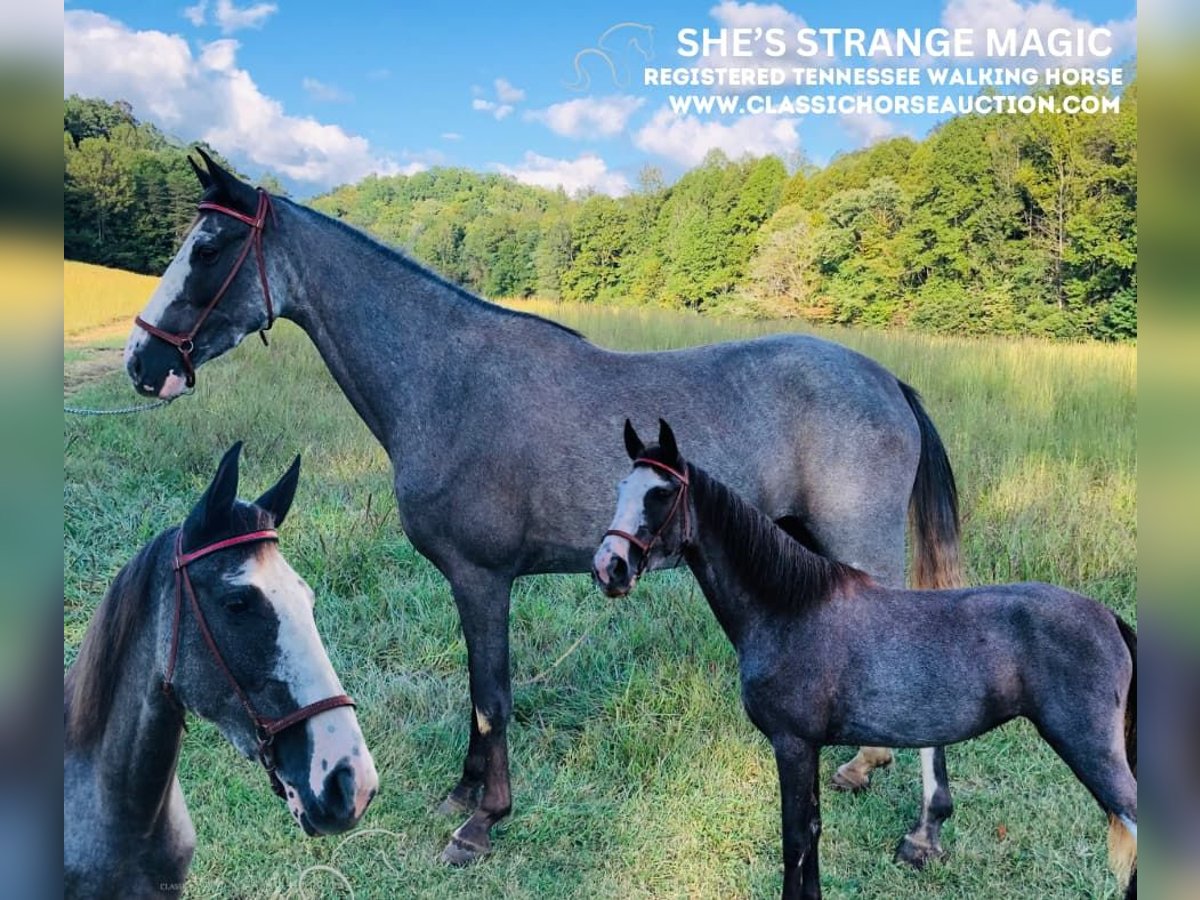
635	773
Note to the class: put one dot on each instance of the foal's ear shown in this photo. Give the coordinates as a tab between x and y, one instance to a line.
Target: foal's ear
217	501
633	444
666	440
278	499
204	177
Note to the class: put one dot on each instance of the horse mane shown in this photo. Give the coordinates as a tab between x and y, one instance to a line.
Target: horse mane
90	682
425	272
781	572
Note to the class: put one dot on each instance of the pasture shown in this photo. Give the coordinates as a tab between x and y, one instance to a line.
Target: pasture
635	772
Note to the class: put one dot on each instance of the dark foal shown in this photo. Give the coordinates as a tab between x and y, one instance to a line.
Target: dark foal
829	656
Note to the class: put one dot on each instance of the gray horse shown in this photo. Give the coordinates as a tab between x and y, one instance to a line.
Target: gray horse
209	618
496	424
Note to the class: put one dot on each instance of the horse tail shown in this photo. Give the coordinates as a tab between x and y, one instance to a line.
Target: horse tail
1122	844
933	507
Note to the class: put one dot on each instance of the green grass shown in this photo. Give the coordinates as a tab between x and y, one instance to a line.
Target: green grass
635	772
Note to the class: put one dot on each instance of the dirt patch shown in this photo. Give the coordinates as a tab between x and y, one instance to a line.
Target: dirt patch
93	363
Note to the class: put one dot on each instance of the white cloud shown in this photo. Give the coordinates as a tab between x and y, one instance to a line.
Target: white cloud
506	92
451	136
219	56
572	175
1042	16
498	111
687	139
867	128
233	18
196	14
588	117
324	93
729	14
208	97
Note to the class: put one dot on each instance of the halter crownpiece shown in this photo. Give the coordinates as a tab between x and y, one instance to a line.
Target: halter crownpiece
185	342
680	501
264	729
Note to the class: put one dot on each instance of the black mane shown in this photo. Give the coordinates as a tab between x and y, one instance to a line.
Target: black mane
425	272
90	682
781	572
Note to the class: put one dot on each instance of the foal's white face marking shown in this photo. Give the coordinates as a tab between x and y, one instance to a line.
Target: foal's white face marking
303	665
629	517
170	286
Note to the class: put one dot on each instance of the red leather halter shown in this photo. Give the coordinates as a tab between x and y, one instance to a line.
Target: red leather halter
680	502
185	342
265	729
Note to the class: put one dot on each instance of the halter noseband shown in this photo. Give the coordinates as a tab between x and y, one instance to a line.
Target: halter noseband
680	502
185	342
265	729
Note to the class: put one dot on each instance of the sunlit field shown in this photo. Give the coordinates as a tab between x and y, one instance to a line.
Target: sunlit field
94	296
635	772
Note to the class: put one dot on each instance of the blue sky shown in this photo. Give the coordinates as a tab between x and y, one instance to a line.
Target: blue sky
323	94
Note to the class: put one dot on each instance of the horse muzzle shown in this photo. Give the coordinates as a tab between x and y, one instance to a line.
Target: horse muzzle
612	573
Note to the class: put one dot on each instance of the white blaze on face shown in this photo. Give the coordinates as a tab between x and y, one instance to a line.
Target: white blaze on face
170	286
630	515
304	666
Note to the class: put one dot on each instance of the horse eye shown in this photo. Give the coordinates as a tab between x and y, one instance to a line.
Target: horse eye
236	603
207	253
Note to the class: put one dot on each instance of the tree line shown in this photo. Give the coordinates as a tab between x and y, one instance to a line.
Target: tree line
1000	224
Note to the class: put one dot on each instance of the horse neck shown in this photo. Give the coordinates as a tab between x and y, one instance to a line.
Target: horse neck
744	588
136	755
709	556
382	324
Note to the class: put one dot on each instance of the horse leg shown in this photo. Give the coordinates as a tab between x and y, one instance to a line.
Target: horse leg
483	601
465	795
1101	762
924	841
797	762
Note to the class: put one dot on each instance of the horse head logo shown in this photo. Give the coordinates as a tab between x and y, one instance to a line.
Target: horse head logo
612	49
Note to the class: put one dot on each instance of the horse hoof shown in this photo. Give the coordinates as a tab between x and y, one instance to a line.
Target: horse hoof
452	806
849	779
461	853
917	853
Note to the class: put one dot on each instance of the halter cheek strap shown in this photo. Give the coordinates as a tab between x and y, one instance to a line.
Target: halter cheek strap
265	729
679	502
184	342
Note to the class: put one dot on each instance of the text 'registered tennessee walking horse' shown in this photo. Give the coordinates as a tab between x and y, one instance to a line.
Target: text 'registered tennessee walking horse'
496	425
207	617
827	655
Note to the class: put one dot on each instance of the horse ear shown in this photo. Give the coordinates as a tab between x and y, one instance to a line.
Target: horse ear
277	500
204	177
226	186
666	440
633	444
217	501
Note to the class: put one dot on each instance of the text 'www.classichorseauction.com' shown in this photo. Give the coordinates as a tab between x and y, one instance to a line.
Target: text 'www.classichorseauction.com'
902	71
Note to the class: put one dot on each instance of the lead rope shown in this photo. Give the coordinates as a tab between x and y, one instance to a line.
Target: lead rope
121	410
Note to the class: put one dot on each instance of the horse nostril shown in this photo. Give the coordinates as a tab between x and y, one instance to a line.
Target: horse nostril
338	796
618	570
135	369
